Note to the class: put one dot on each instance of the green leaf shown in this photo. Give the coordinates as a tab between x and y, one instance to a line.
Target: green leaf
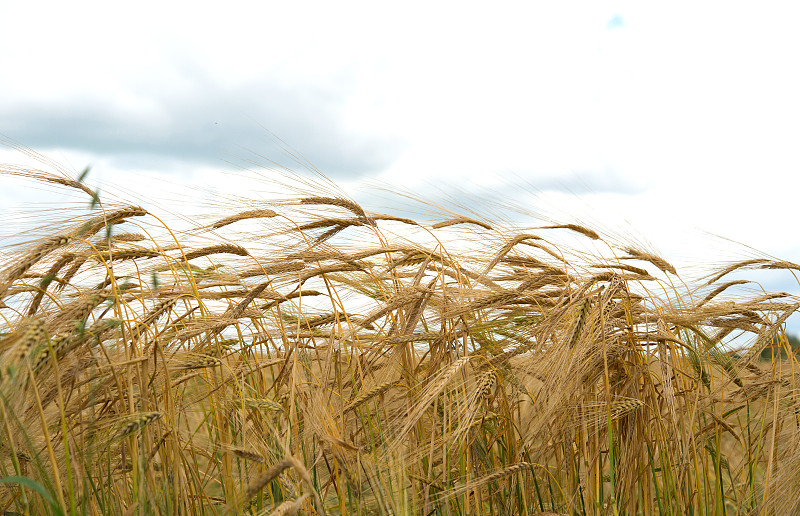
35	486
84	228
95	199
84	174
45	281
80	327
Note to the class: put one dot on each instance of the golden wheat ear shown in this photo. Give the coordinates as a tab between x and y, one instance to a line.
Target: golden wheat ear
250	214
287	508
335	201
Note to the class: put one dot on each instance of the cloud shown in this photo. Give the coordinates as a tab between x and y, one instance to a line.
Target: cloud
203	122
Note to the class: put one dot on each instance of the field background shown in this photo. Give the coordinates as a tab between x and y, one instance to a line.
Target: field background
303	355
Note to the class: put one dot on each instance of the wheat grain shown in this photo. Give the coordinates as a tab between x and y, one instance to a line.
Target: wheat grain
575	227
486	383
326	269
250	214
287	508
507	247
77	310
72	271
184	378
303	472
735	266
128	237
293	295
624	267
48	278
92	226
461	220
201	362
488	479
44	176
623	406
32	257
128	254
394	218
583	314
34	335
368	394
248	455
335	201
403	298
217	249
428	394
59	343
767	334
781	264
140	421
157	311
261	403
330	233
338	224
659	262
258	483
510	470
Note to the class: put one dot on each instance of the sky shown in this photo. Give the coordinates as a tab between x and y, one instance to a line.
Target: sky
672	120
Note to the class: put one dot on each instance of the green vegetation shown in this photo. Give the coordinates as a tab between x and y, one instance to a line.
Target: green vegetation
780	343
307	356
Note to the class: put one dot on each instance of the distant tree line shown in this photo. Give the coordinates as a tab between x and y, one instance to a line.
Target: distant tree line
778	346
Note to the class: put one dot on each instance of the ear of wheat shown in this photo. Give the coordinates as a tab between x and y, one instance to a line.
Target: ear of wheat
139	422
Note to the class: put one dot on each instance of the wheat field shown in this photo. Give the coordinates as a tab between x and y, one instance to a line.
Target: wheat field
303	355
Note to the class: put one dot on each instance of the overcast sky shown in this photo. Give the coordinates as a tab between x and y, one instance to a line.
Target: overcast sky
676	118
